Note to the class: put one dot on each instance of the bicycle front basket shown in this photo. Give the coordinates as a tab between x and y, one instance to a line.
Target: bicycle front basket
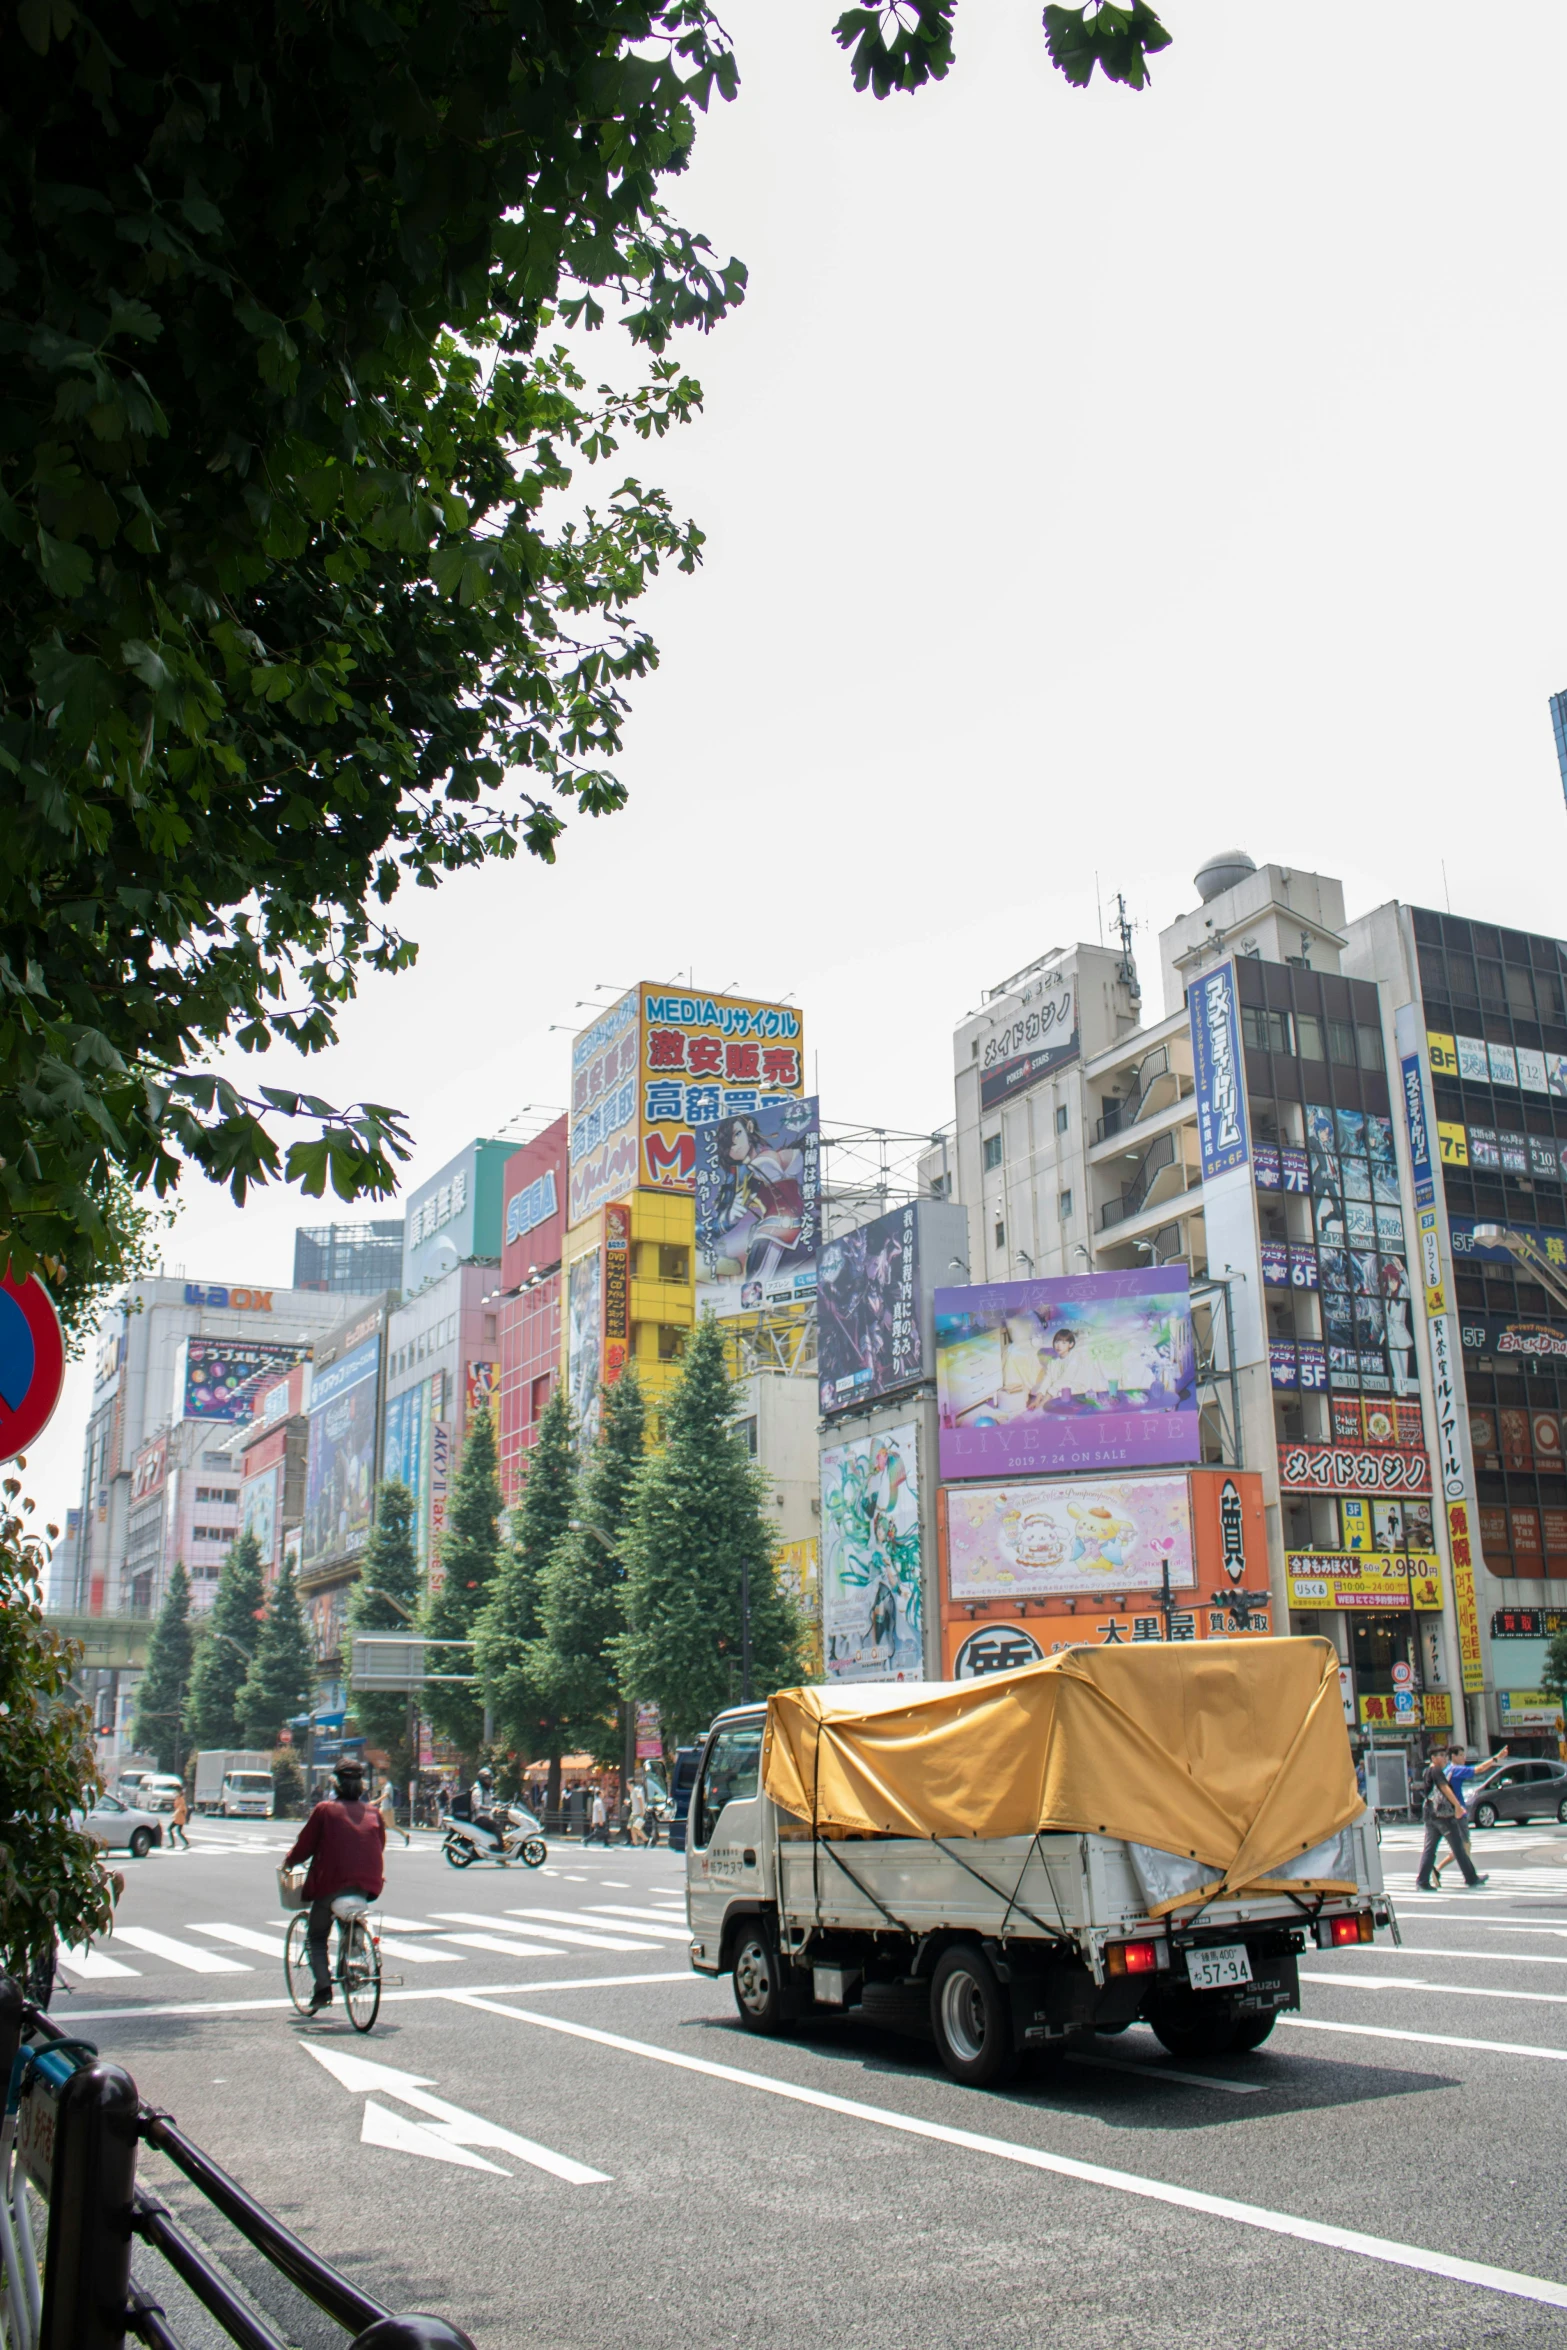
291	1888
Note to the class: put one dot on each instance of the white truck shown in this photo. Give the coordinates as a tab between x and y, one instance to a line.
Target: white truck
235	1784
997	1944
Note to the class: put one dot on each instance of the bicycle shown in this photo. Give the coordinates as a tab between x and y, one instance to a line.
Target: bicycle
358	1971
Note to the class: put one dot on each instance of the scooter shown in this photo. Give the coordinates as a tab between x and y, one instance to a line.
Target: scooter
465	1842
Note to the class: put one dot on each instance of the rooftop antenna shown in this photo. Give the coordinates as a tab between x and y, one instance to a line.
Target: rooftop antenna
1126	969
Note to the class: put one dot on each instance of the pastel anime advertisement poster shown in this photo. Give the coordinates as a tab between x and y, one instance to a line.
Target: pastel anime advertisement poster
757	1217
873	1618
1092	1537
585	1341
1093	1371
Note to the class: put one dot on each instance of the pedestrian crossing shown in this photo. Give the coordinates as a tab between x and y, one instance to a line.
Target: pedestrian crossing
219	1946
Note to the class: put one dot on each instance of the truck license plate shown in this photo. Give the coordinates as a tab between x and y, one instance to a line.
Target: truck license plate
1216	1969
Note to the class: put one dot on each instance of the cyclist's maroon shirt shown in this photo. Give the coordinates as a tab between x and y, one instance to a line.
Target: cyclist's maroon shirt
344	1844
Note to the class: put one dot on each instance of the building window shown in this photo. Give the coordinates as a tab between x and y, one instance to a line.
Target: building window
216	1460
540	1394
228	1493
673	1264
489	1326
1064	1206
992	1151
746	1431
938	1186
1001	1236
1265	1031
1063	1118
671	1343
1309	1029
1341	1042
1370	1046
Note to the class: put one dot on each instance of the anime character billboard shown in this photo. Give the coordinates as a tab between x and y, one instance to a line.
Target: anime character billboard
757	1216
868	1324
1026	1541
1094	1371
585	1341
340	1478
873	1619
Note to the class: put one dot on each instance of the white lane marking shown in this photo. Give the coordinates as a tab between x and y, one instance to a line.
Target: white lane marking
1161	2072
455	2125
418	1953
382	2127
91	1965
1424	1983
245	1938
1488	1925
405	1925
1491	1957
189	1955
199	2007
1250	2215
508	1947
532	1923
1303	2023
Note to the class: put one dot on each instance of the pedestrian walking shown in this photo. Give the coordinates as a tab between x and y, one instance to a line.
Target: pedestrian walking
638	1812
1444	1816
598	1825
177	1823
388	1811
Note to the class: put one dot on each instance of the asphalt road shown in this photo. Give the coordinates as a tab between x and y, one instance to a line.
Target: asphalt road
626	2166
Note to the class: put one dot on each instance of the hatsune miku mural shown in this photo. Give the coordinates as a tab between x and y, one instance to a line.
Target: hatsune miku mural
872	1615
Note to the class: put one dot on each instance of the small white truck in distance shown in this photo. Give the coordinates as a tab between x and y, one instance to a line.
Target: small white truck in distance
236	1784
1022	1862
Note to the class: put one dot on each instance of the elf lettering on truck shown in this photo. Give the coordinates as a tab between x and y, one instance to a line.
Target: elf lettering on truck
1022	1861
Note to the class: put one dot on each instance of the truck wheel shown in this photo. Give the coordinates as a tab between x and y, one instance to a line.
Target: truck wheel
1251	2032
756	1982
1204	2034
971	2019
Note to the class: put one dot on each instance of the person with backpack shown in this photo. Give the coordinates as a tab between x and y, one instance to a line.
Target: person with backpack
1445	1816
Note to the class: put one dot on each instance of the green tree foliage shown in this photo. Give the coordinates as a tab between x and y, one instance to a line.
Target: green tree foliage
282	1681
582	1602
903	46
226	1642
1553	1677
288	1784
470	1549
390	1572
298	609
510	1623
53	1883
699	1518
164	1688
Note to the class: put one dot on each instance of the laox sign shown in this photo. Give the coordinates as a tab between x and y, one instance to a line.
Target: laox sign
244	1301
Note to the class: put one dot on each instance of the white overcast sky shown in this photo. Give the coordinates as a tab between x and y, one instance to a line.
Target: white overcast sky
1091	480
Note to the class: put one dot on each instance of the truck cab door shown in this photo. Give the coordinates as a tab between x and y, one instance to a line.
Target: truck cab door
723	1843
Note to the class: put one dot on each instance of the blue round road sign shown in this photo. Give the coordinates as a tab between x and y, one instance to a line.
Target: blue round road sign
32	1362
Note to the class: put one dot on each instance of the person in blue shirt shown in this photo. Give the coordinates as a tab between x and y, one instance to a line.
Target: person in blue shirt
1461	1773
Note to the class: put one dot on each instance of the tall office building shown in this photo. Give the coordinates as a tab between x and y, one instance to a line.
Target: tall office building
355	1260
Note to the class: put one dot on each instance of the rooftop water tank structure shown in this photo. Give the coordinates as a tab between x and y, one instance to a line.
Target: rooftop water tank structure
1222	872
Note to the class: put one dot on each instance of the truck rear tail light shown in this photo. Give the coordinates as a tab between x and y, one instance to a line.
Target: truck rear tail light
1335	1933
1132	1958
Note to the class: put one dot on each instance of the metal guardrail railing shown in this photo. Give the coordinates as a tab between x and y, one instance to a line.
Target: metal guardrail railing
72	2128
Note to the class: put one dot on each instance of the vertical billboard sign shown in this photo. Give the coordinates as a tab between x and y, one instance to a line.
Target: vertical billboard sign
1451	1467
440	1479
617	1290
533	1205
758	1181
705	1059
258	1514
872	1598
868	1335
1093	1371
1216	1059
585	1341
340	1480
602	1144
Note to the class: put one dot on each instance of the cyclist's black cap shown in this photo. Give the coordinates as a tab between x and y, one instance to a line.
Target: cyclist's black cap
344	1771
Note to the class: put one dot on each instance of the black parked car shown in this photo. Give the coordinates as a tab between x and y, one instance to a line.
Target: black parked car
1518	1791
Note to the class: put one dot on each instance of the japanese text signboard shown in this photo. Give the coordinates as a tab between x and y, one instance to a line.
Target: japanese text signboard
1216	1058
1347	1468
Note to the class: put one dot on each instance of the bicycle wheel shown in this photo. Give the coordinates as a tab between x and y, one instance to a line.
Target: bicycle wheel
361	1974
296	1961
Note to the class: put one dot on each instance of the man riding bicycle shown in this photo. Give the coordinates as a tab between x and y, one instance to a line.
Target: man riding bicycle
345	1844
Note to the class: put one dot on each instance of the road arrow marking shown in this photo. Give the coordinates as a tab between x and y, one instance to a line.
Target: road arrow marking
382	2127
456	2128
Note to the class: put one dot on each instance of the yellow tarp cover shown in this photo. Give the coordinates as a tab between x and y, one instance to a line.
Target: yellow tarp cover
1229	1753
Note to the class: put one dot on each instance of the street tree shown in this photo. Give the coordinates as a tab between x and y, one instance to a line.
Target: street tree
304	599
470	1548
281	1682
582	1603
54	1886
163	1691
1553	1676
510	1623
703	1599
226	1640
386	1599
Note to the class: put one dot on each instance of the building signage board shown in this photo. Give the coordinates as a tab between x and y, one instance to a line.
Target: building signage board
258	1513
1216	1059
1093	1371
149	1469
1491	1334
1417	1126
872	1595
1346	1468
218	1377
603	1136
1042	1039
1079	1538
973	1648
869	1337
585	1340
617	1290
1362	1579
758	1216
340	1477
1529	1710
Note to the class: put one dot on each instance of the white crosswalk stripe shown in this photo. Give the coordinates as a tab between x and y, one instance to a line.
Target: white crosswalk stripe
529	1923
91	1966
182	1954
645	1920
503	1943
